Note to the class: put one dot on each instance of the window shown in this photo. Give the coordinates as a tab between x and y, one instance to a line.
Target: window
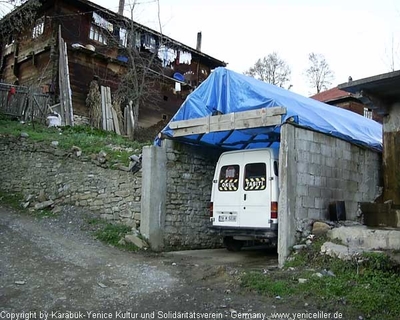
96	34
276	168
255	175
38	28
368	113
229	178
123	37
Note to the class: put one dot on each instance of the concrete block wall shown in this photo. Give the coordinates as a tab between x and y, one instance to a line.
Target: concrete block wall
330	169
316	169
28	168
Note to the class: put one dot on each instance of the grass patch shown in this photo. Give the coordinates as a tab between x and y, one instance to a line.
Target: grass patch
90	140
367	285
15	201
112	234
12	200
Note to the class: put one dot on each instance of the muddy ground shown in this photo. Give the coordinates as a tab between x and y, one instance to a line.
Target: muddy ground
54	266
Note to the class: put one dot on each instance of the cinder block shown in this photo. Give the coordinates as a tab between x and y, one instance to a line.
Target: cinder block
308	202
314	191
321	203
316	158
316	214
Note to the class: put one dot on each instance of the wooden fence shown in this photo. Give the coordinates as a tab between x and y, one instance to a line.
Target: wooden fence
23	102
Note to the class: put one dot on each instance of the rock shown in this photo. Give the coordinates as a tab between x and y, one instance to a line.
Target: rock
121	242
25	204
130	238
340	251
29	197
328	273
318	274
298	247
20	283
174	263
56	210
102	285
101	157
301	280
125	214
42	196
102	160
278	297
44	204
320	228
24	135
54	144
107	217
76	151
308	242
102	154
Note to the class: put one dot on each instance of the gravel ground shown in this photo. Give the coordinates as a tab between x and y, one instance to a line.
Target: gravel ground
55	265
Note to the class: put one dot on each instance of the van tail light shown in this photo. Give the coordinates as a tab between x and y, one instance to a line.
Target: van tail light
274	210
211	209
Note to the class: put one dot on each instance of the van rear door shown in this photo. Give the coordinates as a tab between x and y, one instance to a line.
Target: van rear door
227	190
256	190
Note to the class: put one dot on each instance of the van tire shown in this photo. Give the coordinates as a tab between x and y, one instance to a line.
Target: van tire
232	244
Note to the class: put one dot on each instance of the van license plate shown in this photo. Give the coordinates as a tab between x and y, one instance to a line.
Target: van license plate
229	218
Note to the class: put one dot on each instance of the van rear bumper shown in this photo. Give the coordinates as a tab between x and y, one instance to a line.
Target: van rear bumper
255	233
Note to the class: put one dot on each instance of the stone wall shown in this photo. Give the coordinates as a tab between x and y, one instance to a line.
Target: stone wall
315	170
190	172
30	168
175	212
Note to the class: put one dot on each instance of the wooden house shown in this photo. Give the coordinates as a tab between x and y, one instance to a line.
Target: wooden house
100	45
348	101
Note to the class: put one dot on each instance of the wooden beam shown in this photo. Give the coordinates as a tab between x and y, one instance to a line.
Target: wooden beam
264	117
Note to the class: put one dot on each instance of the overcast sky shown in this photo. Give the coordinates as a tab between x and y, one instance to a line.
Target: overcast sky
355	36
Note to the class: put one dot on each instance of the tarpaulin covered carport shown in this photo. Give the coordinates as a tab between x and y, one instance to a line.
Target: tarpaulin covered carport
327	154
213	115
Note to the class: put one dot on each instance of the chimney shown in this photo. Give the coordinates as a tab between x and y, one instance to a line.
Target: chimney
121	7
198	45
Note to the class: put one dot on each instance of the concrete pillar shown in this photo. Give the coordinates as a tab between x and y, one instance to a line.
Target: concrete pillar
287	187
154	182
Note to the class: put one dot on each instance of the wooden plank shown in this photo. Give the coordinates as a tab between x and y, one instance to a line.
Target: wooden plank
237	125
132	121
189	123
240	120
110	121
61	79
125	120
68	90
115	118
128	121
103	108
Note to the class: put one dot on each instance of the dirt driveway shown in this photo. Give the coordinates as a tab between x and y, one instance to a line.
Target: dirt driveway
53	267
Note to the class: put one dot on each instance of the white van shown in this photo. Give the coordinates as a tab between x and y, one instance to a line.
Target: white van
244	197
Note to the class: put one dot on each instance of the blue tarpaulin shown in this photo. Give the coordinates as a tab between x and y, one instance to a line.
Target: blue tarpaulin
226	91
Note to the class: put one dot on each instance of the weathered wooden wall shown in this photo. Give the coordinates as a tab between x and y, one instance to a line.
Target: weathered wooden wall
391	155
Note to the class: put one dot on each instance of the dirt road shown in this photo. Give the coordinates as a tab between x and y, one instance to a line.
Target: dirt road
53	267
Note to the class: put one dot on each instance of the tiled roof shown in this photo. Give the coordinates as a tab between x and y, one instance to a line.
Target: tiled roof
331	95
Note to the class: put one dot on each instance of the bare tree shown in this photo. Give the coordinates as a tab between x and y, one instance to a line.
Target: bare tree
318	73
392	55
271	69
22	16
138	85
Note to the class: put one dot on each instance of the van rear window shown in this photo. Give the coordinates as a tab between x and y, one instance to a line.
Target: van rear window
229	178
255	175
